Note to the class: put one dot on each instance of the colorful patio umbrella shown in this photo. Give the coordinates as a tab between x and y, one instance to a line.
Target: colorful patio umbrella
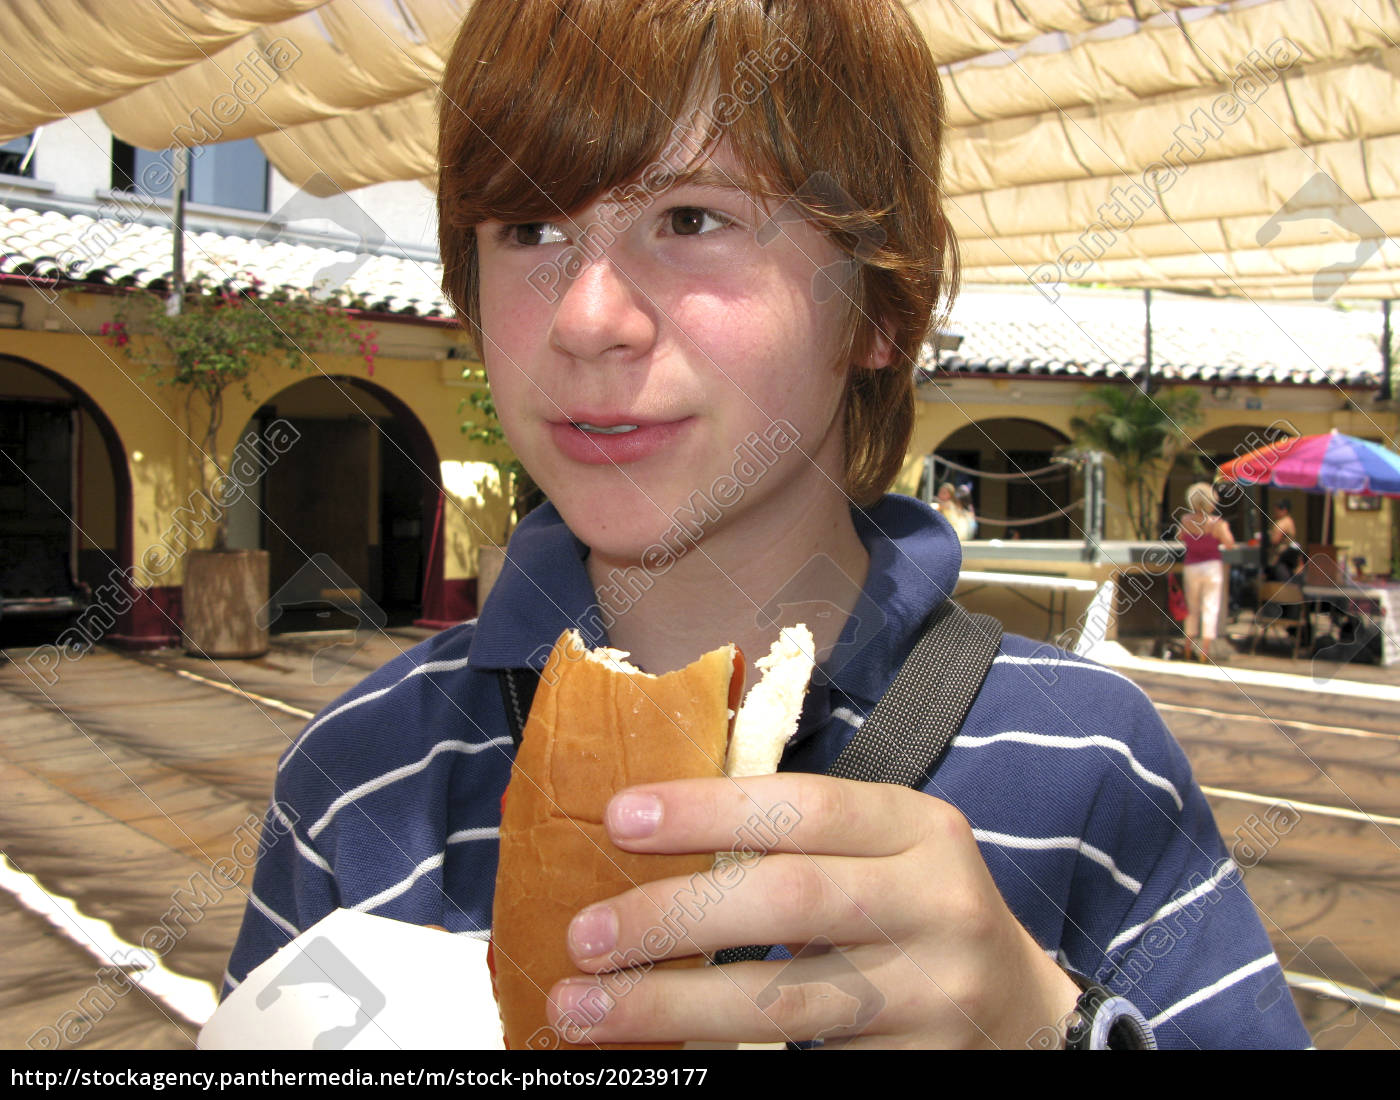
1331	463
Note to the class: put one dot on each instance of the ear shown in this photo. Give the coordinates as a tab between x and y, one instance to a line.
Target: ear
881	352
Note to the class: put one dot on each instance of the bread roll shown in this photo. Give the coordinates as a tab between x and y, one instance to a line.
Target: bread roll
593	729
773	706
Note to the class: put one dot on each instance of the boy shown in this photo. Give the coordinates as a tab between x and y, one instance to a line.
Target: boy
680	229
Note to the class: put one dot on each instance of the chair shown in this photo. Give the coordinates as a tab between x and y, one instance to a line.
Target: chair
1322	567
1280	603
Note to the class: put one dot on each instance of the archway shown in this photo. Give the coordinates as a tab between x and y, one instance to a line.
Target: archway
1246	511
65	511
361	484
1009	446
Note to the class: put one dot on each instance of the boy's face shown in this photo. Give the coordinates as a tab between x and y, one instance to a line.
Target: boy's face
686	322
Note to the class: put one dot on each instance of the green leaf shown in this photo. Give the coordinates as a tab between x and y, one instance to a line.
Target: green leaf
1140	434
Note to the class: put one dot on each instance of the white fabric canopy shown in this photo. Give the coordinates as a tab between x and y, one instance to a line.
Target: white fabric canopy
1245	147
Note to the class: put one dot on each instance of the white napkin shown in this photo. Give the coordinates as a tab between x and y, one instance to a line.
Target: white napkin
357	982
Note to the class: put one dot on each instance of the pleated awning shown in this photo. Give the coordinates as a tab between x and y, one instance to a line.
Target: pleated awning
1248	148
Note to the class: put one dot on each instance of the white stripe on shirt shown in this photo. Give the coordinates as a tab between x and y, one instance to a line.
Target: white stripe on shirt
1176	904
1063	662
850	717
360	700
485	832
309	853
379	782
266	910
1044	843
1058	741
376	900
1232	978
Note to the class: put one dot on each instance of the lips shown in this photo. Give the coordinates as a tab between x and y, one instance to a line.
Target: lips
606	440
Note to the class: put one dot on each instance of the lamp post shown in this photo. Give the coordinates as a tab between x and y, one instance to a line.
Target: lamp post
1093	505
1147	341
174	303
1387	354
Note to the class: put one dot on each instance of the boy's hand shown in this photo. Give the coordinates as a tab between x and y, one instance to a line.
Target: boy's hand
926	952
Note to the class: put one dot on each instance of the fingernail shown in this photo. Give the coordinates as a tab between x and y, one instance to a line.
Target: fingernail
581	1005
593	932
634	815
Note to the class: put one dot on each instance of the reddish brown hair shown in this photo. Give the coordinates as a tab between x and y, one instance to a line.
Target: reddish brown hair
547	104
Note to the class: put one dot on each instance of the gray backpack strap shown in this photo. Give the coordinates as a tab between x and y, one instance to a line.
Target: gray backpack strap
906	736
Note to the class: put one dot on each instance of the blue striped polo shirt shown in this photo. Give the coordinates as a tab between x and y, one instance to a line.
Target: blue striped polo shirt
1082	803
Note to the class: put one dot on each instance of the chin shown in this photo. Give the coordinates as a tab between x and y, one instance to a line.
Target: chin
628	535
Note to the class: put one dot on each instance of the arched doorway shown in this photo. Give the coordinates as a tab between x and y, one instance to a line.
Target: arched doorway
1247	510
1009	446
360	483
65	508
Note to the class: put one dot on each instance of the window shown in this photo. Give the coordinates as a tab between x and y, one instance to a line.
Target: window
231	173
13	154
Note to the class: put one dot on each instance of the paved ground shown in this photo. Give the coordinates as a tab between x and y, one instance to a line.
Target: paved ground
127	777
1329	887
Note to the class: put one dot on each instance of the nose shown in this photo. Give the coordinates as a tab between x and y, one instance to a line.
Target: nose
603	312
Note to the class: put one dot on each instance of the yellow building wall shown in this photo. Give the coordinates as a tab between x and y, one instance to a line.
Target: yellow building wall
153	426
413	366
1304	411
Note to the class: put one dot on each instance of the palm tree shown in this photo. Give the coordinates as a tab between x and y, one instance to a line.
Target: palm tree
1140	435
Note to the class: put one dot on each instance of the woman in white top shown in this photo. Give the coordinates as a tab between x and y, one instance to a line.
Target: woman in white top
953	512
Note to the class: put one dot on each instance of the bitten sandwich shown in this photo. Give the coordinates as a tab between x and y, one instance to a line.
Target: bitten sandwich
598	725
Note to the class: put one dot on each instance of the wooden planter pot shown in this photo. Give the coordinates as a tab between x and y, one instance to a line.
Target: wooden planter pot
223	595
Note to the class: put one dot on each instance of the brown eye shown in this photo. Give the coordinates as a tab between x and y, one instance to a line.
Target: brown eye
530	234
688	220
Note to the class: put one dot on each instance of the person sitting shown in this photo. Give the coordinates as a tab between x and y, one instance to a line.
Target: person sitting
1285	555
1204	535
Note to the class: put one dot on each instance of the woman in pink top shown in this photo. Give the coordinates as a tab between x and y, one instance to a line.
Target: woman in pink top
1204	535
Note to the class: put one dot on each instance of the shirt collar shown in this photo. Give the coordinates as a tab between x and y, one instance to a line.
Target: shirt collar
543	589
915	558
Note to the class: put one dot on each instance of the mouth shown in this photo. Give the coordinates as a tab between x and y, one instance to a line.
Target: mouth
599	429
612	439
